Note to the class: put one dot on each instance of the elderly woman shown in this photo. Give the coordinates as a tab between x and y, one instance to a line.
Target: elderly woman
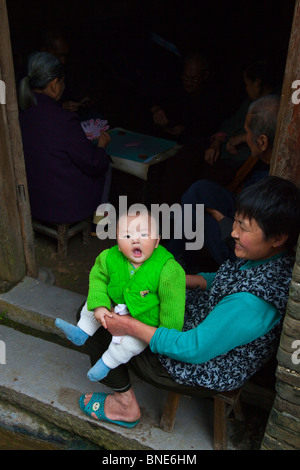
66	174
233	317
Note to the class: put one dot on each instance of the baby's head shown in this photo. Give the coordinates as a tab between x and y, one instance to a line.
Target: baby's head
137	236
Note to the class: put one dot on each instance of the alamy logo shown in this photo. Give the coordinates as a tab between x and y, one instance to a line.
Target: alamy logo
296	354
296	94
188	221
2	353
2	92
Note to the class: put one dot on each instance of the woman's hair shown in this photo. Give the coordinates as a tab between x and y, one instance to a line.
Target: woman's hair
42	69
268	72
274	203
263	114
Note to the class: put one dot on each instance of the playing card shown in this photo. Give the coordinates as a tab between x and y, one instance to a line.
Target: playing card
94	128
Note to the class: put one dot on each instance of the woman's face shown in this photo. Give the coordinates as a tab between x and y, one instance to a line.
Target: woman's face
250	240
60	87
252	88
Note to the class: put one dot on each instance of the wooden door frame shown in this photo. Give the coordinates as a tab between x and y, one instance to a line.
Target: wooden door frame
17	252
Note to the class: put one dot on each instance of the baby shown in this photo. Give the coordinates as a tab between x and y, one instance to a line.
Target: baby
137	276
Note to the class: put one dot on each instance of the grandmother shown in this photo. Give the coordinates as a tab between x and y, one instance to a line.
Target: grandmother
233	317
67	176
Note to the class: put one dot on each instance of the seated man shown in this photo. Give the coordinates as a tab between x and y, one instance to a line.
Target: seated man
189	110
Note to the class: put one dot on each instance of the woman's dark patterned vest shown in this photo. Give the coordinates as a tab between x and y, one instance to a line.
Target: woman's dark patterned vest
269	281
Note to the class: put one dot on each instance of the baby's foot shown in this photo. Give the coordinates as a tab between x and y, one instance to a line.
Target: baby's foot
98	371
75	334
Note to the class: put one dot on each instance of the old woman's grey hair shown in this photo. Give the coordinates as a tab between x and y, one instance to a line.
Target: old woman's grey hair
42	69
263	114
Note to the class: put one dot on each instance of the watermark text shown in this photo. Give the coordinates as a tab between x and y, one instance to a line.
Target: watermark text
296	94
2	92
2	353
187	221
296	354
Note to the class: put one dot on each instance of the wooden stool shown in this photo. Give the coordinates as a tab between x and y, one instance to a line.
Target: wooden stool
63	232
223	404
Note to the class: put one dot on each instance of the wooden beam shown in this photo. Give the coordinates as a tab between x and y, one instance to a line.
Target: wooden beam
286	154
14	147
12	261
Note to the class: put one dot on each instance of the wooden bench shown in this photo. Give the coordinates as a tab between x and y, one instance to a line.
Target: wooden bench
63	232
224	403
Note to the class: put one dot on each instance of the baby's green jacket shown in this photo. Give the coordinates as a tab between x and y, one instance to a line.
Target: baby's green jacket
154	293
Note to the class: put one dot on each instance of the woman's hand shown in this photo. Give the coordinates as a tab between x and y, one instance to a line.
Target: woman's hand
159	116
213	152
120	325
176	130
234	142
103	140
116	324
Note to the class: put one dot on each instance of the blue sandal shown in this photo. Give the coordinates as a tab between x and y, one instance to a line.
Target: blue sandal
96	405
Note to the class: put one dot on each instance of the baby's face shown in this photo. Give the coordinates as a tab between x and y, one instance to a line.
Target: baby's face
135	239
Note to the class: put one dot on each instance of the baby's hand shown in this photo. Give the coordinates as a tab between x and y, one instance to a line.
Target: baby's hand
100	313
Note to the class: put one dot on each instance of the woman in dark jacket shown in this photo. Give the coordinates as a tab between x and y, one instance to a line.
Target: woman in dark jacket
66	174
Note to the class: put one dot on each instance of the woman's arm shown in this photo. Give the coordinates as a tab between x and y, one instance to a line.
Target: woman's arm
202	280
119	325
91	160
195	280
238	319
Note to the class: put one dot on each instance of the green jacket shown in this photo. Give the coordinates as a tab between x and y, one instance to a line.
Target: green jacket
140	292
154	293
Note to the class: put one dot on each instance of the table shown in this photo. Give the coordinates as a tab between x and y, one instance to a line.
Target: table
135	153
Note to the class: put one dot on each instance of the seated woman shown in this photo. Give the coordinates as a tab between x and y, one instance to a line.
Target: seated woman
66	174
233	317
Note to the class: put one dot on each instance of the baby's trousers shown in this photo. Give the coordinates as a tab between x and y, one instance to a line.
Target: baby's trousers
121	349
146	366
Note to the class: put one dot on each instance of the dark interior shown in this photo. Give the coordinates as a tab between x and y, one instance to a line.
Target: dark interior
113	58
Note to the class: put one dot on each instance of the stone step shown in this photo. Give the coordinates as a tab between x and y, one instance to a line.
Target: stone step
36	304
55	366
46	379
